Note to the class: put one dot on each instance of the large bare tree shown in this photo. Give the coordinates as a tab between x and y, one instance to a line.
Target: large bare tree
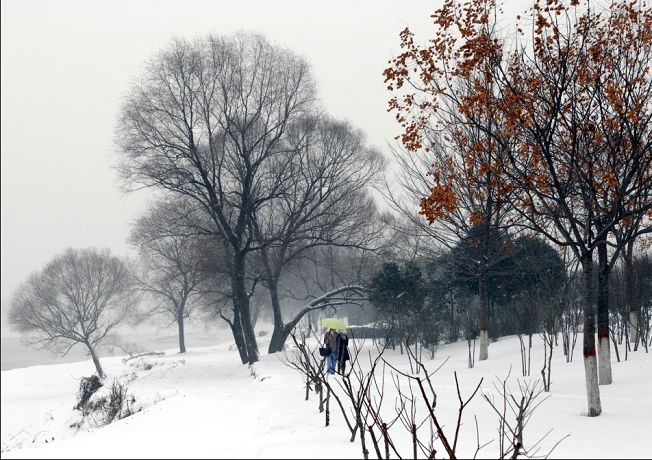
79	297
207	122
326	203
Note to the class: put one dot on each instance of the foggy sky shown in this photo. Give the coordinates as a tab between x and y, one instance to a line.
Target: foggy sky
67	64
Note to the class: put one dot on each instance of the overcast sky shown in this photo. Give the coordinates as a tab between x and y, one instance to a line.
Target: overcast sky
67	64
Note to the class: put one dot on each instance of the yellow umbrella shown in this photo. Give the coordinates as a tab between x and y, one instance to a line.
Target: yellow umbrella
333	323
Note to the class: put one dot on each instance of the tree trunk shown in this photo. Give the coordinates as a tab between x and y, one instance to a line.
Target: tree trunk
278	334
590	363
633	327
238	336
484	310
375	442
182	336
415	442
523	360
604	352
363	443
321	396
277	341
632	306
96	360
386	440
328	405
483	281
484	344
471	358
529	354
549	366
241	305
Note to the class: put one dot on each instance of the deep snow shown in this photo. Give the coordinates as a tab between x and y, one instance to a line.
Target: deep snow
206	404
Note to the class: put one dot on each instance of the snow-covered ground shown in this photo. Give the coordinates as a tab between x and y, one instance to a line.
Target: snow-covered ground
206	404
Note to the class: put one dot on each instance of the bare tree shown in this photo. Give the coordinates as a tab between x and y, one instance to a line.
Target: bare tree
302	358
79	297
598	151
325	204
480	211
207	122
571	308
362	390
514	414
171	265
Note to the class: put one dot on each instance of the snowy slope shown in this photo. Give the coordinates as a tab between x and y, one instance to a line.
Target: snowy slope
206	404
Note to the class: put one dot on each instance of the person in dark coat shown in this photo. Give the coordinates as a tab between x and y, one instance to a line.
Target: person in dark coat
342	343
330	342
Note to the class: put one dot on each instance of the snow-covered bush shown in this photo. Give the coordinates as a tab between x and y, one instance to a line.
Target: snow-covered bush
105	405
87	387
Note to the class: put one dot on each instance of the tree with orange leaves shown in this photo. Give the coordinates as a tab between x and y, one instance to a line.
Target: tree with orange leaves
620	70
443	100
573	105
584	160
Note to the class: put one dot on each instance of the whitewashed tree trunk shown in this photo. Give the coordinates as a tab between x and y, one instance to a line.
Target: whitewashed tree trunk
484	344
630	288
592	387
604	352
633	326
604	361
590	360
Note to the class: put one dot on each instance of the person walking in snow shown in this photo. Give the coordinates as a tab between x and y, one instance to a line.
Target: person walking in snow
342	347
330	342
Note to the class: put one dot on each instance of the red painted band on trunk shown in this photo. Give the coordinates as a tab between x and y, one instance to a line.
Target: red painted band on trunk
484	329
632	310
589	353
603	335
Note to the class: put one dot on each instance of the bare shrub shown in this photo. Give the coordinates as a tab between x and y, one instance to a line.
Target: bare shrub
118	404
87	387
102	408
361	394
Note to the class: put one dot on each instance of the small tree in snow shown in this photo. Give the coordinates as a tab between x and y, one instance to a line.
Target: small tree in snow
79	297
